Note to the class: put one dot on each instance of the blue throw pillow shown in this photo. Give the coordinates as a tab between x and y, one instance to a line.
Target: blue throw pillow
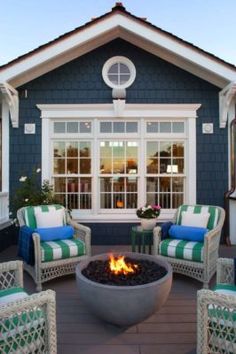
187	233
55	233
165	229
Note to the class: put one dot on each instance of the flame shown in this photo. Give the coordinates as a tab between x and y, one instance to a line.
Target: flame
118	265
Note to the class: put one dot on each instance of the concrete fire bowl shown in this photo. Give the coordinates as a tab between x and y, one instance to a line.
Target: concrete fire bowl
124	305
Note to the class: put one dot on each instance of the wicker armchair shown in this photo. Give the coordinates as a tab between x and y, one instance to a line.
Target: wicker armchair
216	315
43	271
27	325
202	269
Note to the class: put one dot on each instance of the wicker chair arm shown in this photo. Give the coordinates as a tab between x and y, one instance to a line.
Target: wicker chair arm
84	233
44	300
11	274
225	271
156	240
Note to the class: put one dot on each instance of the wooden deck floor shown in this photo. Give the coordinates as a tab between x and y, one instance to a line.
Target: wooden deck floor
170	331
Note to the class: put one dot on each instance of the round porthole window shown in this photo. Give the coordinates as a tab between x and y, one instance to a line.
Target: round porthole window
119	72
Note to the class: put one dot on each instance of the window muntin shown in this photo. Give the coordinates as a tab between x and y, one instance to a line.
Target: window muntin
72	158
72	127
121	167
119	72
165	173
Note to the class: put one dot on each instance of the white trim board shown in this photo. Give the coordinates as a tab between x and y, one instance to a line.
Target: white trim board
114	26
188	112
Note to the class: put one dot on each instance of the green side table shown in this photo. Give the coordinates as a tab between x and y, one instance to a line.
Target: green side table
141	239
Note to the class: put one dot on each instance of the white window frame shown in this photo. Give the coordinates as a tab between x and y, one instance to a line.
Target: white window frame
114	60
119	109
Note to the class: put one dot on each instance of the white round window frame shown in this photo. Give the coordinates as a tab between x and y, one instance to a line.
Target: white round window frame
115	60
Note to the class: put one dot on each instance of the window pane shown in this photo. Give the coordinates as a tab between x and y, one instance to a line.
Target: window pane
152	127
152	149
132	149
73	201
85	185
85	201
178	127
105	149
132	166
119	184
105	184
113	69
152	165
124	78
124	69
152	199
59	127
164	184
177	200
85	127
165	149
118	166
165	200
119	149
59	184
72	185
59	149
132	184
179	165
72	127
105	201
165	127
119	127
177	184
178	149
105	127
164	163
113	78
85	166
72	166
152	184
59	166
131	201
105	166
131	127
118	201
72	149
85	149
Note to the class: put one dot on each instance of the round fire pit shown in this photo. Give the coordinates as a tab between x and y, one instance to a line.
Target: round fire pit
124	305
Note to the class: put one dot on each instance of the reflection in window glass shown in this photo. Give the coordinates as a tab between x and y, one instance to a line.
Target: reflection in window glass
165	127
105	127
59	127
85	127
119	127
72	127
178	127
152	127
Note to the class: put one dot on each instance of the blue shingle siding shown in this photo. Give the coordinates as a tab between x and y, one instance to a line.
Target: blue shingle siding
157	81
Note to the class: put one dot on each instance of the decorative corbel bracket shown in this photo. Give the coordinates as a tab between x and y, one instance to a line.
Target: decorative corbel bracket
119	107
225	98
11	97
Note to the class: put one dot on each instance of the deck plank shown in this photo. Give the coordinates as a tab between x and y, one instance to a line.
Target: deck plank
172	330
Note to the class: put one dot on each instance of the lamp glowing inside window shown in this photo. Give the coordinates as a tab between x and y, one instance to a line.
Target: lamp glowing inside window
172	169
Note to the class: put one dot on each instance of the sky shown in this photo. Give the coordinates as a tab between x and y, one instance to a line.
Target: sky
27	24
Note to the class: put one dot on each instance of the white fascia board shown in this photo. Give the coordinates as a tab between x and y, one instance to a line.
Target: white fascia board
105	26
180	49
129	110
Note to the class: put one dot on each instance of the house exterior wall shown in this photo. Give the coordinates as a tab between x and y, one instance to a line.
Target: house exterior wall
157	81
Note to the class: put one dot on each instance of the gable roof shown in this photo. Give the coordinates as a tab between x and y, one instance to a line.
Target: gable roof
118	23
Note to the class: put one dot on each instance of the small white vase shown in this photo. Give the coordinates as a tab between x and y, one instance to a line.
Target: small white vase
148	224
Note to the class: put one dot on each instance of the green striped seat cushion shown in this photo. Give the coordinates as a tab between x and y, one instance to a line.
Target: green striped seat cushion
55	250
222	323
189	250
18	331
29	211
198	209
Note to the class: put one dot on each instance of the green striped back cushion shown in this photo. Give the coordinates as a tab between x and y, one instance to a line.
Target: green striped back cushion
55	250
222	323
192	251
198	209
19	330
29	211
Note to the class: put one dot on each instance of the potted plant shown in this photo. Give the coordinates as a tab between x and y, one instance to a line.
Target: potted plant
148	215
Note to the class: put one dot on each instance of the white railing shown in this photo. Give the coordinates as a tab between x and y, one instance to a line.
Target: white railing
4	207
